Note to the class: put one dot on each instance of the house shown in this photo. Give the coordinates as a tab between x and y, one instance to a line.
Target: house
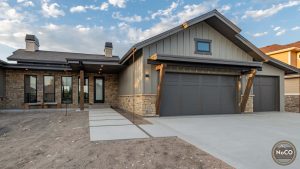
289	54
203	66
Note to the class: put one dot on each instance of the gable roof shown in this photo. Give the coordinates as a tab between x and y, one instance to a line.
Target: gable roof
276	47
41	56
217	21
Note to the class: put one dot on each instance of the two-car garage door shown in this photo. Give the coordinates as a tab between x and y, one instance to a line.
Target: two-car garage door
194	94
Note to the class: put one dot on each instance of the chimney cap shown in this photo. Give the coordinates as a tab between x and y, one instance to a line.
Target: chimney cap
108	45
29	37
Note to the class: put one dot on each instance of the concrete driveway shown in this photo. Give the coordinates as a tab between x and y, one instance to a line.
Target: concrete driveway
244	141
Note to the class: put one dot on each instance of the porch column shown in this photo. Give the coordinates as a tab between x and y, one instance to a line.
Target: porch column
81	90
161	69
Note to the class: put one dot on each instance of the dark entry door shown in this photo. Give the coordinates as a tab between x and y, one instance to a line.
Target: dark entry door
99	90
266	93
194	94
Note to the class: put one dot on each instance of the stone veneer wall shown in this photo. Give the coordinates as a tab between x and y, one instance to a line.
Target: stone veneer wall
144	105
249	105
292	103
15	87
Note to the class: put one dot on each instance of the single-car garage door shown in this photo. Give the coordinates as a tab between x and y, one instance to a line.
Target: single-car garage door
266	93
194	94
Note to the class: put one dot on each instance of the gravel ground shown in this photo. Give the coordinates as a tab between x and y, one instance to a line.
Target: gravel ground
53	140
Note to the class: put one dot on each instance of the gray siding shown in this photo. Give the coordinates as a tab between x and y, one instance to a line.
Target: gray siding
2	83
182	43
269	70
126	78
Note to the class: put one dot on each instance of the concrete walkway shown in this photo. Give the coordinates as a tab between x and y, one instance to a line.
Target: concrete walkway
107	124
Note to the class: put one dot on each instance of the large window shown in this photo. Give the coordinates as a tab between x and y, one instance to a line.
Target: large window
66	89
85	89
203	46
30	89
49	89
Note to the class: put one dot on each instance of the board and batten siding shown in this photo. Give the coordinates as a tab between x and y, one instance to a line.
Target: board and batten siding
268	70
2	83
183	44
126	78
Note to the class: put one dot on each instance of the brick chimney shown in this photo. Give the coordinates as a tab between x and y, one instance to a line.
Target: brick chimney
32	43
108	49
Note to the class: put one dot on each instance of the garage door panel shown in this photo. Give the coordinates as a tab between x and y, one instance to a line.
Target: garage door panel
170	97
266	93
198	94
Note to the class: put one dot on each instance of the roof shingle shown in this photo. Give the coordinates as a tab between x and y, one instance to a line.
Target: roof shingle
275	47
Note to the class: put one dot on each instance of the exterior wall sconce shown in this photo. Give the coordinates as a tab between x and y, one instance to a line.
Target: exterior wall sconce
147	75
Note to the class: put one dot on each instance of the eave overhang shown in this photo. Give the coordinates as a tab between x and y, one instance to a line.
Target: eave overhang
288	69
203	62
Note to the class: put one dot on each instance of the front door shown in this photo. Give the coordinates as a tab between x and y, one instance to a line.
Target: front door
99	90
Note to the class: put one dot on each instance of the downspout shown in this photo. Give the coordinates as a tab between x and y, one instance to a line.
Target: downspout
133	81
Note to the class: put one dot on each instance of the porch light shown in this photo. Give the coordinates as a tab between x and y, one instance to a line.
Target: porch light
147	75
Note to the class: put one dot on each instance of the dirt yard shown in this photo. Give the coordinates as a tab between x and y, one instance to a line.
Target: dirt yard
52	140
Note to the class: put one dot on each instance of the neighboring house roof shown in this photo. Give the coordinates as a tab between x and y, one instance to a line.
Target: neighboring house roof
276	47
217	21
41	56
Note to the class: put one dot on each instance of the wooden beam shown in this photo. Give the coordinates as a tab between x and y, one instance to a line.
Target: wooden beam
81	90
159	87
153	57
158	67
247	90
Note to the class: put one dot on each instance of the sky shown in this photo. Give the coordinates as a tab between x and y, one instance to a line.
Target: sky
85	25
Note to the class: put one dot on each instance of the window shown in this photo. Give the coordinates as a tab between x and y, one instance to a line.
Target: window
49	89
66	89
203	46
86	90
30	89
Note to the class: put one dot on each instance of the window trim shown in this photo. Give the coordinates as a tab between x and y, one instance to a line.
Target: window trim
197	40
71	89
86	77
44	88
35	89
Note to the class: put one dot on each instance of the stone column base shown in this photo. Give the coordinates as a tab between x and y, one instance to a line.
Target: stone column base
143	105
292	103
249	105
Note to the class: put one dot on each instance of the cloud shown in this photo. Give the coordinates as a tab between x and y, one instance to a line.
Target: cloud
260	34
51	10
104	6
26	3
118	3
134	18
82	29
166	12
224	8
276	28
166	21
9	14
51	26
79	8
264	13
295	28
280	32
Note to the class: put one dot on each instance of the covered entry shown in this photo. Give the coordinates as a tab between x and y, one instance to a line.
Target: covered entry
266	93
195	94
